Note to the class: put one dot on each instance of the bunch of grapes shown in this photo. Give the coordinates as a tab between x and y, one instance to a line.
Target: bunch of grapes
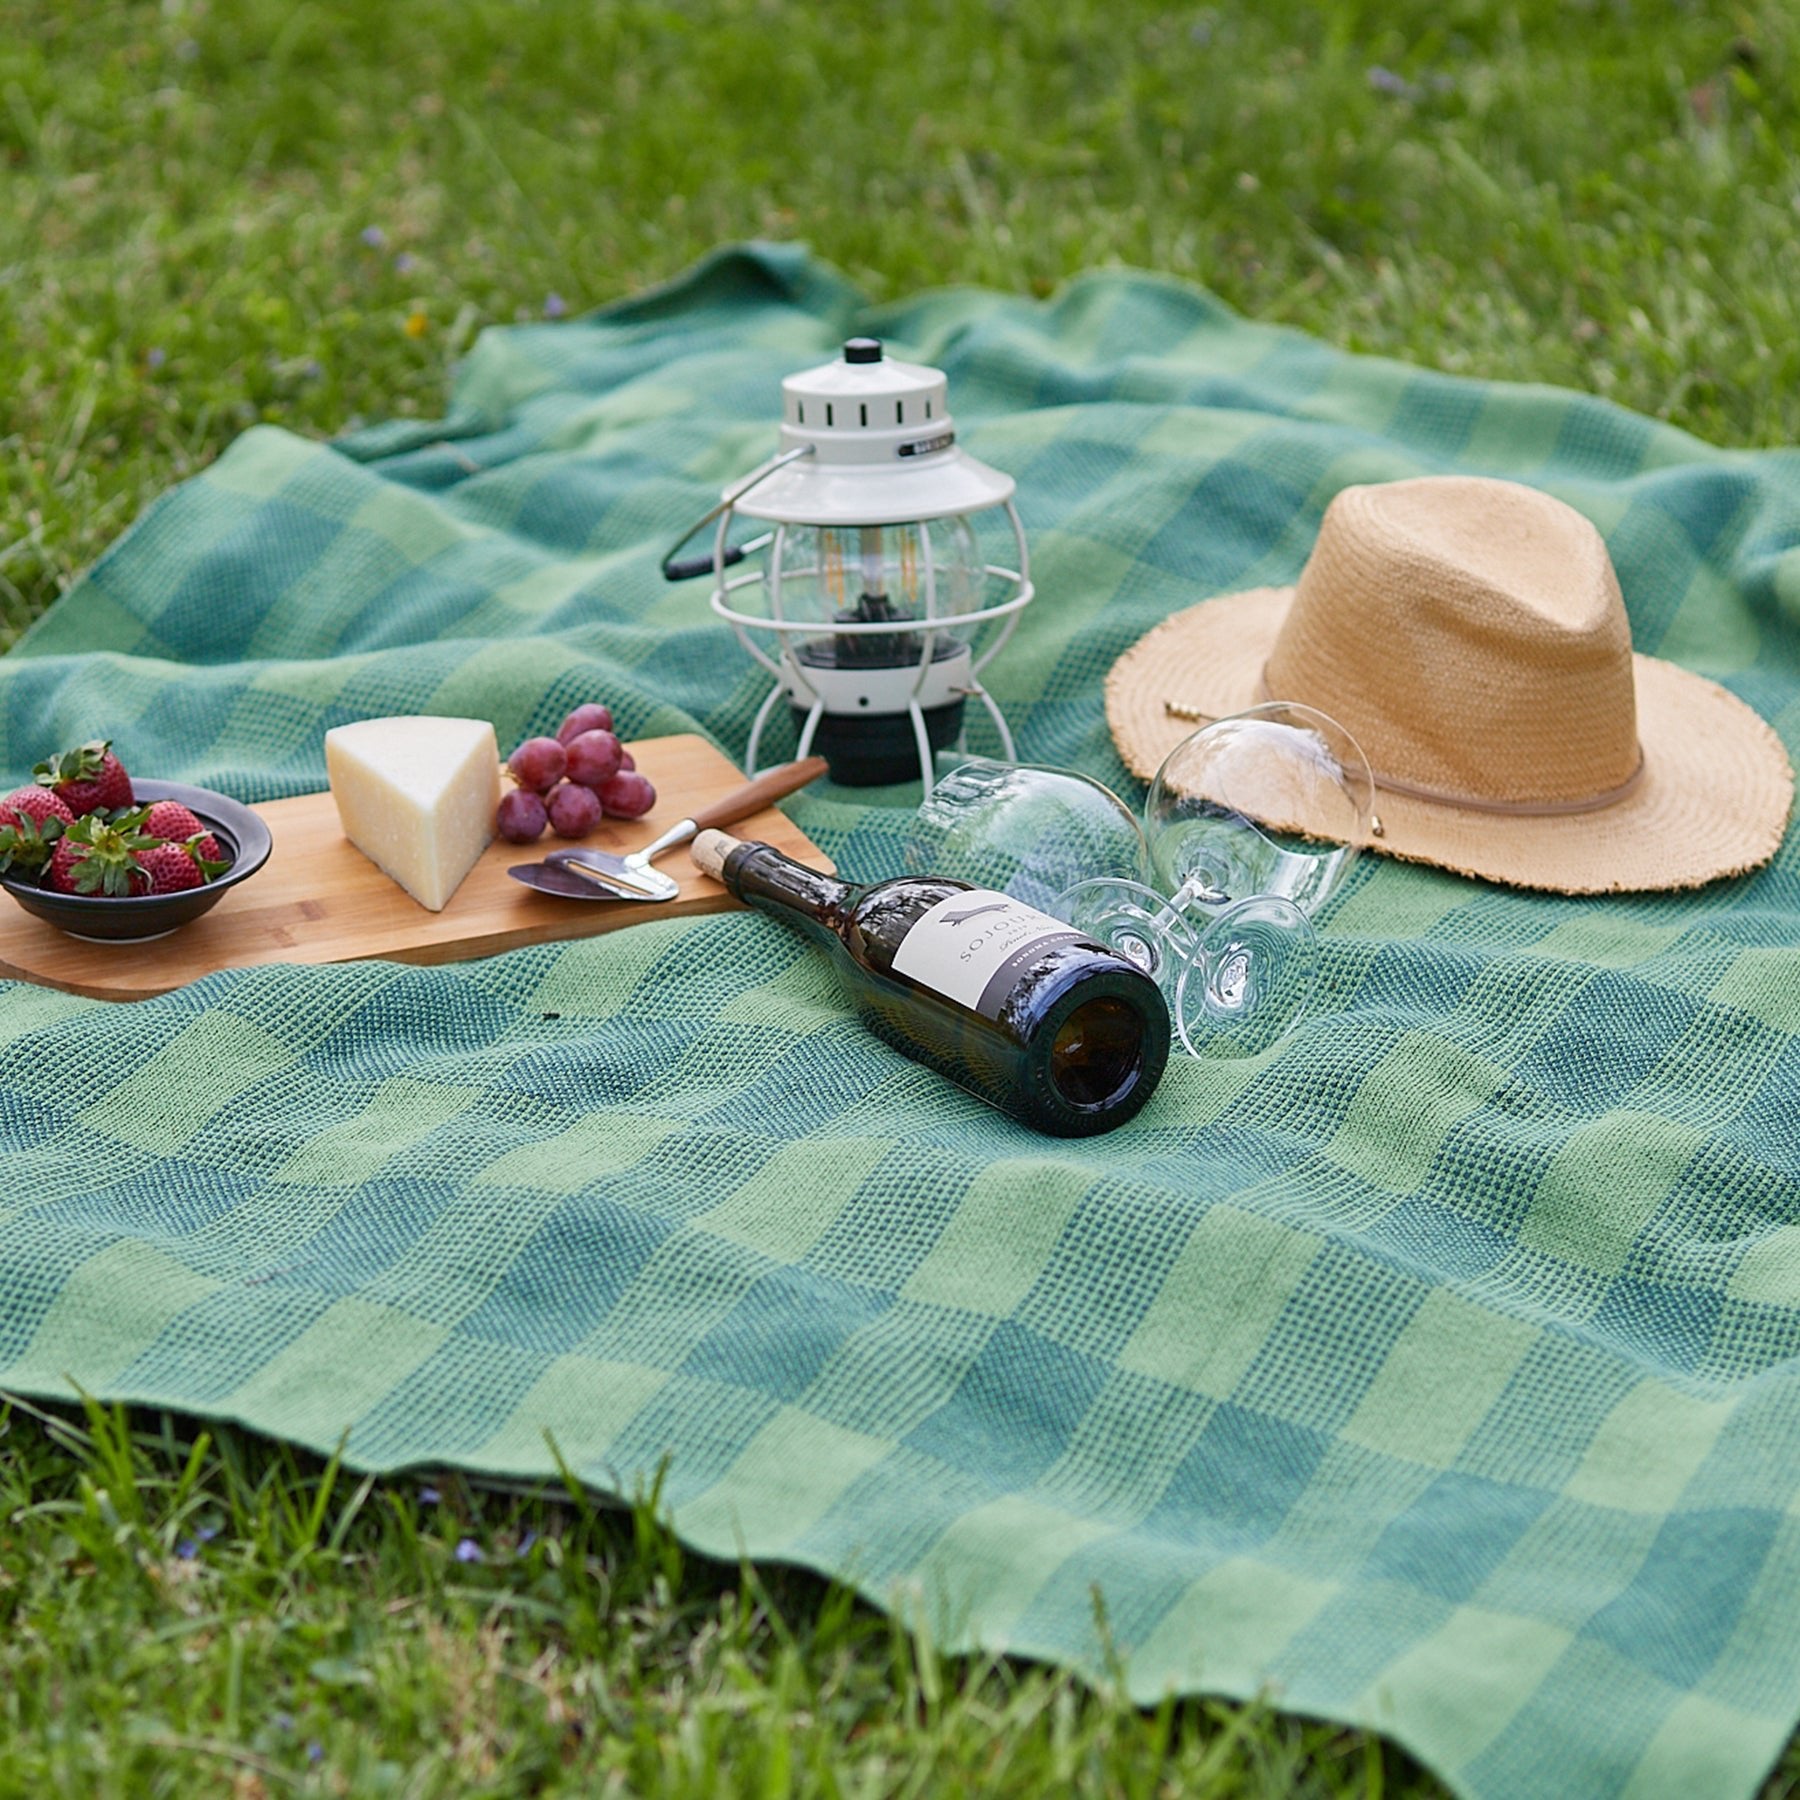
572	781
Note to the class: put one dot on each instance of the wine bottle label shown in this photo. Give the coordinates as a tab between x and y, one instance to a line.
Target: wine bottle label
973	947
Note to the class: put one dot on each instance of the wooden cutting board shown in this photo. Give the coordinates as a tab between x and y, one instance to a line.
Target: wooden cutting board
318	899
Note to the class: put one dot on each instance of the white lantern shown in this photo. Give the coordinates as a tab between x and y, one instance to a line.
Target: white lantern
866	596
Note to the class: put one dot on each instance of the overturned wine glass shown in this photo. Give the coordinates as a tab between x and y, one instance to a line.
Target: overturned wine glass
1250	825
1024	830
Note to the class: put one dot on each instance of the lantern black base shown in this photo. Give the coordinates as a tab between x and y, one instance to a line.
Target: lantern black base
880	750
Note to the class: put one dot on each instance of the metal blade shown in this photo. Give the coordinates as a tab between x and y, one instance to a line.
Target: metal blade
598	862
627	872
560	878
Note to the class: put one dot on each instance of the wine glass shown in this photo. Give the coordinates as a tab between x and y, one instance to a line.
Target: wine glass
1278	799
1071	847
1252	824
1023	830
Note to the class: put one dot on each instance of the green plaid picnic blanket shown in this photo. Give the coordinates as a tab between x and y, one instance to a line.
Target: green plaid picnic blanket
1438	1374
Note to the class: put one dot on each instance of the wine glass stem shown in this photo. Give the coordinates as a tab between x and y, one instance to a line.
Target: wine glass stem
1167	924
1197	889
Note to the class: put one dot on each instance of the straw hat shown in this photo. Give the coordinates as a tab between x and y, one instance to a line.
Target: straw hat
1470	635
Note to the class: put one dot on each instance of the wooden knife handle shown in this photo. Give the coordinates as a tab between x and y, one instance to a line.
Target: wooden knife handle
753	796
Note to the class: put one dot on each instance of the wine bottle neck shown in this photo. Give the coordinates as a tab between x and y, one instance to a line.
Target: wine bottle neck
762	877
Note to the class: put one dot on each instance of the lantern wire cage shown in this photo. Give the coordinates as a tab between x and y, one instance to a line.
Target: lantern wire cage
869	594
917	680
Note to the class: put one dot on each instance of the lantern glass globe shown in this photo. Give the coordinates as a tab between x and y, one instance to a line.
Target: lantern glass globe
907	574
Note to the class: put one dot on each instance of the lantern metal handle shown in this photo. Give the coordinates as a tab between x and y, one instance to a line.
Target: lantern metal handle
704	565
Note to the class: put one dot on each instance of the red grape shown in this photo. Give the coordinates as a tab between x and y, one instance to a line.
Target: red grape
522	816
574	810
537	764
591	757
626	759
628	795
584	718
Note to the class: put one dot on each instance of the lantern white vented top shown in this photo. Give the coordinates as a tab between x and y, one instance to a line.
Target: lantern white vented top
883	448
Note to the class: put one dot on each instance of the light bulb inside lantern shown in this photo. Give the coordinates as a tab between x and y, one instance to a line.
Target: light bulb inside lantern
911	574
887	698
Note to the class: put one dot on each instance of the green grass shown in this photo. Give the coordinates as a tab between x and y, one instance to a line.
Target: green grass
189	1613
1580	193
216	212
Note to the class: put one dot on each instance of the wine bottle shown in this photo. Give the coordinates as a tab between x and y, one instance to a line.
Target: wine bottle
1017	1007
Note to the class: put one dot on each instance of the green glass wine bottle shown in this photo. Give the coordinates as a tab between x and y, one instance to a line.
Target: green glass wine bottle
1017	1007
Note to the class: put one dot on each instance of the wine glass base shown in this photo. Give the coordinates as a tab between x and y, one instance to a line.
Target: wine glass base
1250	982
1134	922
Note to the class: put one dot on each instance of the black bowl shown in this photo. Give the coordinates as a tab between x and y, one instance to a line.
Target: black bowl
130	918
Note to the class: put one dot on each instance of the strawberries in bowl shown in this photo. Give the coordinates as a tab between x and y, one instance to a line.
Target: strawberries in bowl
125	873
87	779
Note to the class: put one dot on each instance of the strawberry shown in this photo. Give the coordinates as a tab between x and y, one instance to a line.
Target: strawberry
61	871
37	804
90	779
31	820
169	869
170	819
208	854
101	856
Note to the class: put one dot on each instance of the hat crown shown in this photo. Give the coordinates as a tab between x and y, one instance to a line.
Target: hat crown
1471	635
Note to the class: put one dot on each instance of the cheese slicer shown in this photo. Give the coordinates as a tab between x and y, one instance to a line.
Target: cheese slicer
583	874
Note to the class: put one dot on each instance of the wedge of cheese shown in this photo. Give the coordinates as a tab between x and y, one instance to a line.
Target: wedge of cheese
417	796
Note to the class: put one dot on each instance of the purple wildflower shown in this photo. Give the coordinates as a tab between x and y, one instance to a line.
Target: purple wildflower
1385	81
429	1496
155	357
468	1551
374	237
189	1547
405	262
555	306
315	1751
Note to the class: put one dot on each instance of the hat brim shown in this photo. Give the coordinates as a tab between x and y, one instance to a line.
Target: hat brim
1713	799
